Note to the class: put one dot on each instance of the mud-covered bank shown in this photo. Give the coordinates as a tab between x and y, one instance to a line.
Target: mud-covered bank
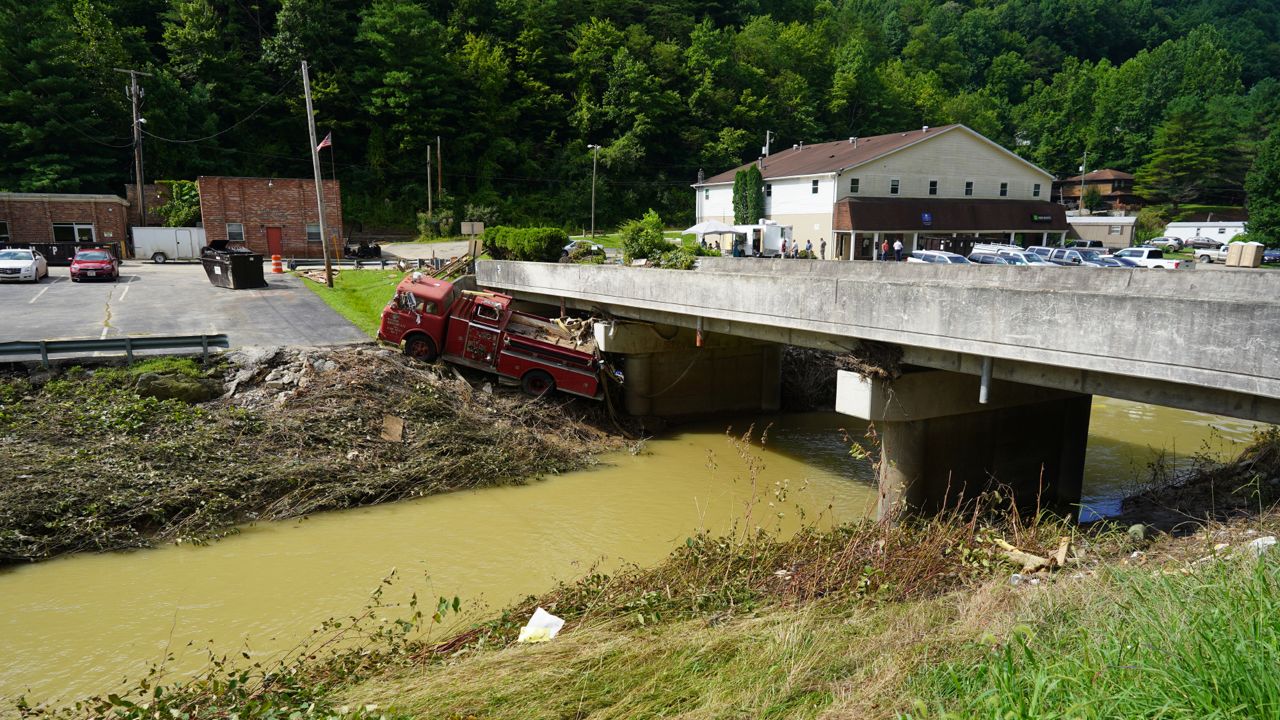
112	458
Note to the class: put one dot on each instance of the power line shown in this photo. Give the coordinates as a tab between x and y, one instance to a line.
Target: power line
224	131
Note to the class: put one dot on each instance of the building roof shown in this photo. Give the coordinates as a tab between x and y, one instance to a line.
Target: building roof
62	197
948	215
1100	176
1101	220
830	157
1207	223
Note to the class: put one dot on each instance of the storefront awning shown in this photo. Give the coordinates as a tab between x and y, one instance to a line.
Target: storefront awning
948	215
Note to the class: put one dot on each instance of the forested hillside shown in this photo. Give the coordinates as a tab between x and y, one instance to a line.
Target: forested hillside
518	89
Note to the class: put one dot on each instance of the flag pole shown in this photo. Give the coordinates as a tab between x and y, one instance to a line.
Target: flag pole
315	166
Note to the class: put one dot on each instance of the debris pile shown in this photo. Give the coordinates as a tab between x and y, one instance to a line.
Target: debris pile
290	431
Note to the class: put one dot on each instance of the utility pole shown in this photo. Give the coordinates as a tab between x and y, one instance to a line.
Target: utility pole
439	168
1084	166
595	154
135	95
428	179
315	165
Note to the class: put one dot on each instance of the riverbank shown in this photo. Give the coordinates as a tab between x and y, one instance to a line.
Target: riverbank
168	450
929	619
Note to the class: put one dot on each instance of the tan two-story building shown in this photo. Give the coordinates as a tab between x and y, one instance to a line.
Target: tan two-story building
941	188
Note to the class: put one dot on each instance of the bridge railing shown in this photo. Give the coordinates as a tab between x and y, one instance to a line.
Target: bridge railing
125	344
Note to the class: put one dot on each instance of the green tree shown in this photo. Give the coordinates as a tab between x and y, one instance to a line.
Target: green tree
183	206
748	196
1192	154
1262	189
643	238
1092	199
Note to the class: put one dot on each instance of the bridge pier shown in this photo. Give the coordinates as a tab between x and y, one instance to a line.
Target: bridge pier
672	371
938	444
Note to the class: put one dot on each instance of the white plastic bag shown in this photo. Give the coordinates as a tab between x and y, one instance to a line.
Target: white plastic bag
541	627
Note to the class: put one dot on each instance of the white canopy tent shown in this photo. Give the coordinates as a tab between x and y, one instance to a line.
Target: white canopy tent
710	227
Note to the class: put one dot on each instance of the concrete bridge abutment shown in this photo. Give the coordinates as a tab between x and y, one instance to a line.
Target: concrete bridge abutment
939	446
672	371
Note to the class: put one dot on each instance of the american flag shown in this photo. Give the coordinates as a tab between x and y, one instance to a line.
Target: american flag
326	142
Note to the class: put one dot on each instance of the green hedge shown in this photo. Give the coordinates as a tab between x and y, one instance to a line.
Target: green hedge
540	244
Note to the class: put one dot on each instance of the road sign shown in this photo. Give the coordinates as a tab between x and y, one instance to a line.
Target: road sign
472	228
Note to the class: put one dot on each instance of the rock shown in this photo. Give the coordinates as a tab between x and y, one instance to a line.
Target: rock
177	387
281	377
1138	532
253	357
1261	545
1015	579
322	365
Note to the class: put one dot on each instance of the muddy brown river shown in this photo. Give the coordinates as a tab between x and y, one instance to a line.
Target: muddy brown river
79	625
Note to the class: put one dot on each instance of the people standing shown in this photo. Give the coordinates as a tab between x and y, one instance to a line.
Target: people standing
884	249
784	247
897	250
808	248
823	248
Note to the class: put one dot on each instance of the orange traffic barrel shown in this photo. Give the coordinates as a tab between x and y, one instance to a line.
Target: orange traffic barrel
276	265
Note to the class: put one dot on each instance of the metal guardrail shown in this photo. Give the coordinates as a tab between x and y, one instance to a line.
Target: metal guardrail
126	344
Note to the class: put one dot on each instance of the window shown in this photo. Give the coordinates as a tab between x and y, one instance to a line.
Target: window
313	232
968	187
894	184
1222	231
706	193
73	232
1004	189
933	187
235	232
815	187
4	231
1114	230
1035	190
853	185
768	189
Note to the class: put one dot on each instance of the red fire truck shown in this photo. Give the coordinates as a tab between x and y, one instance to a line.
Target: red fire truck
430	318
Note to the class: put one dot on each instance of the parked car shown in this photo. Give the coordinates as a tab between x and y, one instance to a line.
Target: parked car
1200	241
938	256
1088	245
1083	258
987	258
1271	256
1166	243
1148	257
94	264
23	264
583	245
1209	256
1025	257
1043	251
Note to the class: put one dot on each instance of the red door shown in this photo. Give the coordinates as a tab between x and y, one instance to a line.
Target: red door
274	244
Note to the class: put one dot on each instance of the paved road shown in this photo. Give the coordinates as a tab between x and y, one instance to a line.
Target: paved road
170	299
424	251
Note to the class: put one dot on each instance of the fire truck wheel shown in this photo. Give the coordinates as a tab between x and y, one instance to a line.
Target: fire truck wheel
537	383
420	347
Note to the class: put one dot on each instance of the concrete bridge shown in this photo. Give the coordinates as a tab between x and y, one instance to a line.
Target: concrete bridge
1034	343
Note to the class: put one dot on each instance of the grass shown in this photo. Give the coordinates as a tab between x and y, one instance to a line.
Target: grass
359	295
614	240
1194	644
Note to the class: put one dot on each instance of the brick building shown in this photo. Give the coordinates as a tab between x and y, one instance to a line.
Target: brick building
156	195
272	216
59	217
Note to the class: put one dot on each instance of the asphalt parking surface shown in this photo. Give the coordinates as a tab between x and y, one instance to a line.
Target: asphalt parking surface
170	299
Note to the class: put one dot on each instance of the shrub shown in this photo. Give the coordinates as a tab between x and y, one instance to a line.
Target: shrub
643	238
539	244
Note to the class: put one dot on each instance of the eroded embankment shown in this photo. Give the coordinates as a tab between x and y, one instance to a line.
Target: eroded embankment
112	458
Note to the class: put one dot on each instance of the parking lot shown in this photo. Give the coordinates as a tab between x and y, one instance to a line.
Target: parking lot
170	299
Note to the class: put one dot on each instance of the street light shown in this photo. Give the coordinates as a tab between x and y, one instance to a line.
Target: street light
595	154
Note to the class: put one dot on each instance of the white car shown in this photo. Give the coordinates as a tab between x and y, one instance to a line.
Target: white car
938	256
1026	257
23	265
583	245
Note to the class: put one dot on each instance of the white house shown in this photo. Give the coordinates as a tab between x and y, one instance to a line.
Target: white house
933	188
1221	231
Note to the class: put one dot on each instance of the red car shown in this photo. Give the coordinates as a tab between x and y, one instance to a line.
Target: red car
95	265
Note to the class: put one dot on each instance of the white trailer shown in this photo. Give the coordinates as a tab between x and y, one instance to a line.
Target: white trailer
1222	232
162	244
764	239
